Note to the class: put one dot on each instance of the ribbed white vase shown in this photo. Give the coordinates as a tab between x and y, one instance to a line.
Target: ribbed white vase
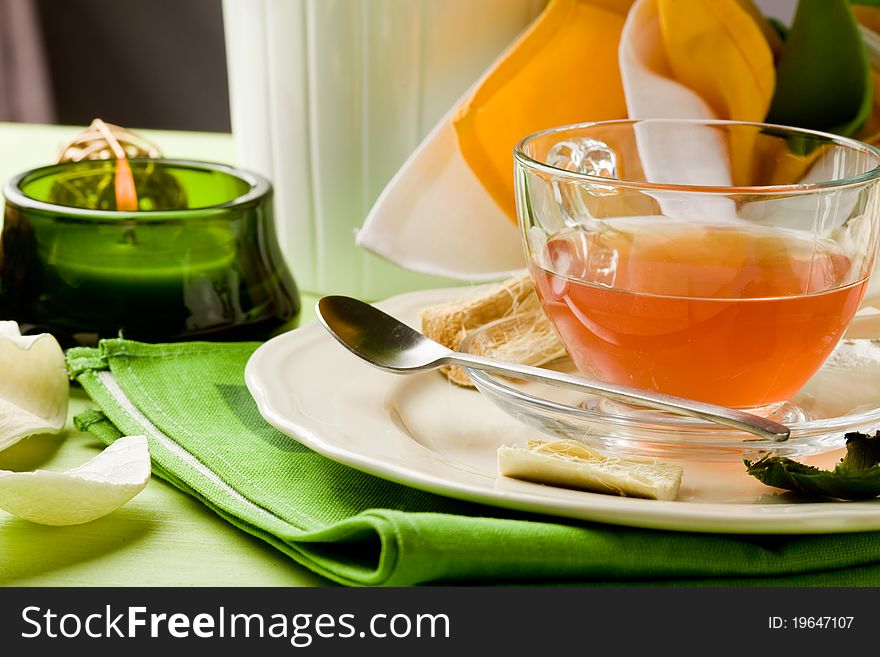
329	97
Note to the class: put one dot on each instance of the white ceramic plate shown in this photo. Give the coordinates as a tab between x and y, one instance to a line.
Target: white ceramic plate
422	431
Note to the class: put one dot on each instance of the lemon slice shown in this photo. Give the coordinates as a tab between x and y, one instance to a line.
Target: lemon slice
572	464
33	385
82	494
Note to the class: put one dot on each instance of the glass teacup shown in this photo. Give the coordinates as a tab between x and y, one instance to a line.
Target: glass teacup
714	260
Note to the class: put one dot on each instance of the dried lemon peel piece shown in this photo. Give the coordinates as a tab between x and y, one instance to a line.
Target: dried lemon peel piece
82	494
571	464
33	387
527	337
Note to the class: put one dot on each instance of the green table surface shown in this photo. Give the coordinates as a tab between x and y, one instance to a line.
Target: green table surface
162	537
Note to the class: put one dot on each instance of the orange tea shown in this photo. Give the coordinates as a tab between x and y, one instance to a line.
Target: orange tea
722	313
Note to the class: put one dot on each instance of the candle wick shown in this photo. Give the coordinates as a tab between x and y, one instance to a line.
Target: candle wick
126	194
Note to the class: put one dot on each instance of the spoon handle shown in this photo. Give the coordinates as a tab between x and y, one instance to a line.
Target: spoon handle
722	415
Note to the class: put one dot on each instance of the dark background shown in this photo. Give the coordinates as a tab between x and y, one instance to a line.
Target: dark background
138	63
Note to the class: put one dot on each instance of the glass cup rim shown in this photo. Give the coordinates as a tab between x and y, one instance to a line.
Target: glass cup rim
258	189
522	158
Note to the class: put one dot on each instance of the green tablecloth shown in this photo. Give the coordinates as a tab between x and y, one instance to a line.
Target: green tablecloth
207	437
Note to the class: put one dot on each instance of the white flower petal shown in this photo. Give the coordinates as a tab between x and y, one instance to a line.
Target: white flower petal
82	494
34	386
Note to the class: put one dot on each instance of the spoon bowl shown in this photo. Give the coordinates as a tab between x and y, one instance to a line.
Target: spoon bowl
379	338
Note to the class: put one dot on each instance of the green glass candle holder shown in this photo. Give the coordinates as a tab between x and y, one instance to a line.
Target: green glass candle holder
198	260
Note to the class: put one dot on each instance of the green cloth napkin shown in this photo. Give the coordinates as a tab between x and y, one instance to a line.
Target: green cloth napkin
207	438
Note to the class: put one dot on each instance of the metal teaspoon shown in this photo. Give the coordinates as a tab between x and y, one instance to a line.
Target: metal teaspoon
391	345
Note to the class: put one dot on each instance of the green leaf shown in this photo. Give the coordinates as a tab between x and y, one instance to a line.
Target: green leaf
867	3
823	80
856	477
862	452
